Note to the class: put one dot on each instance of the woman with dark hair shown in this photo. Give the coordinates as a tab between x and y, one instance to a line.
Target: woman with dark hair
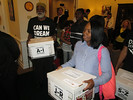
85	57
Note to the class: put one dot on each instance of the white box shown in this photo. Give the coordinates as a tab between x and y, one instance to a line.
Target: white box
124	85
67	84
41	47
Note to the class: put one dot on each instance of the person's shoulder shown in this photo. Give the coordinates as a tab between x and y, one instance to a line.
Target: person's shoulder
104	50
4	35
85	22
79	43
130	34
128	30
49	19
33	18
55	17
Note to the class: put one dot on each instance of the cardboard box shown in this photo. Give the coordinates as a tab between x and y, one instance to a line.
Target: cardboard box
67	84
124	85
41	47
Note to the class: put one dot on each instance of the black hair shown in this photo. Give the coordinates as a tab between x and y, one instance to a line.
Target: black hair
68	22
81	10
97	30
87	10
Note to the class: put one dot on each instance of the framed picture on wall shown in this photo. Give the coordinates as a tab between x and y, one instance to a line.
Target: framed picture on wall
28	6
11	10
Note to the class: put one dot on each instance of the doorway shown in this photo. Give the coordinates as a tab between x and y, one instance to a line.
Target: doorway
69	5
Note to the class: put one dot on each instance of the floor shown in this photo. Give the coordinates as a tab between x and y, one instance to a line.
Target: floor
27	89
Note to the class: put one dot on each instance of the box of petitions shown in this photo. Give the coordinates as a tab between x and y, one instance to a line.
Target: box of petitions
41	47
67	84
124	85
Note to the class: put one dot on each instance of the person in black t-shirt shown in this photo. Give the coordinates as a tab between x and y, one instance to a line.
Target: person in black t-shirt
78	27
9	54
41	26
126	55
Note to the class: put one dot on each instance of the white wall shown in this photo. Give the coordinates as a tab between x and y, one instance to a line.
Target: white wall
24	17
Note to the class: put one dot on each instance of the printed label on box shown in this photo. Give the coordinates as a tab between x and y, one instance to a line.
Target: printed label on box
70	82
87	95
123	93
73	74
64	86
58	92
62	94
41	49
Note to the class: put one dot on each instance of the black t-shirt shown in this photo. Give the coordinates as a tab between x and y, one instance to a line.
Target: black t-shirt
43	28
77	32
128	62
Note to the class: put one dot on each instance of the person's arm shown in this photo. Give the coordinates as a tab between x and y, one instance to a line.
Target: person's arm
29	37
90	84
72	61
53	31
59	67
30	30
122	56
106	71
66	13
